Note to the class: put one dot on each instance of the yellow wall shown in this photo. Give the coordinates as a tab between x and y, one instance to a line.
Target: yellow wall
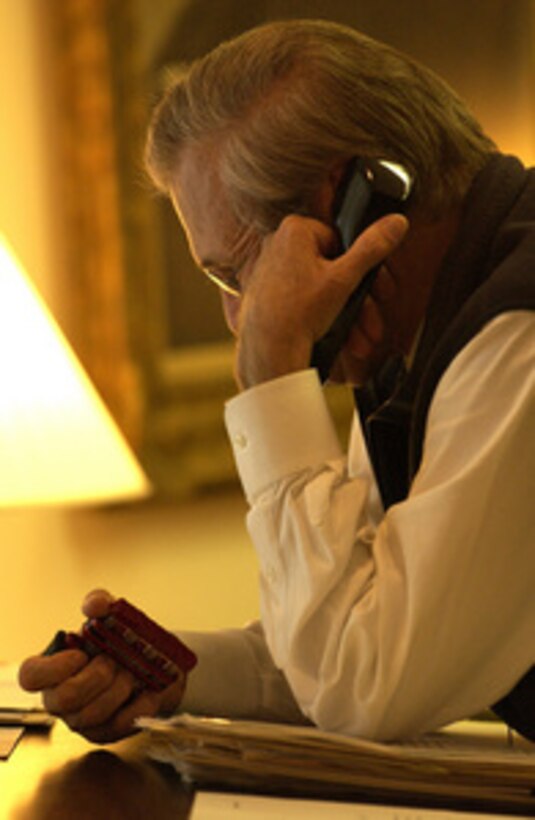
24	205
189	565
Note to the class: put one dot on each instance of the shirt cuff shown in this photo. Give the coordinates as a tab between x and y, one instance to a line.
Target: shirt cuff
278	428
236	678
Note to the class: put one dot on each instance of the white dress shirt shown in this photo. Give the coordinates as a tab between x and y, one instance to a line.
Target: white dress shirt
385	625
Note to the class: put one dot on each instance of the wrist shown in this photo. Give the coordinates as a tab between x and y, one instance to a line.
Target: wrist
261	363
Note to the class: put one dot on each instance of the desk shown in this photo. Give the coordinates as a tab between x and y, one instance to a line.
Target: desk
59	774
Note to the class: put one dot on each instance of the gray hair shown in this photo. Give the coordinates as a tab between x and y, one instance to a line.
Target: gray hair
283	102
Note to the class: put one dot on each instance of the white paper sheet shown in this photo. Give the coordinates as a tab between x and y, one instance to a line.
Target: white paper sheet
222	806
18	707
12	696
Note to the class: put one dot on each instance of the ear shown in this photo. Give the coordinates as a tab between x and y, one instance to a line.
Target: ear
324	199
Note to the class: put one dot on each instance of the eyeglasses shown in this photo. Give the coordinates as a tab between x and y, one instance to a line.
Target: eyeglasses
225	278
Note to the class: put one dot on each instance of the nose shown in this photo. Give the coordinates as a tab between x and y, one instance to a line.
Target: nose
231	311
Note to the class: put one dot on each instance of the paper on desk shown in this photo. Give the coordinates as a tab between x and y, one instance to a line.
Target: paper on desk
469	761
13	696
18	707
9	737
225	806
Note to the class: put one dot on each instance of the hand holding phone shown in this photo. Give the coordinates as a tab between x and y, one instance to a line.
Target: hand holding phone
370	189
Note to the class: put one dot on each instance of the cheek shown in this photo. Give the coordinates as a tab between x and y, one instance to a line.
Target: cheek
231	311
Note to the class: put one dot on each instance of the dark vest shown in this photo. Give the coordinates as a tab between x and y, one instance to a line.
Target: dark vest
489	269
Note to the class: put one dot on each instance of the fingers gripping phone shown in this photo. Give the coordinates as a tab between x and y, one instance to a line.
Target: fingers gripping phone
370	189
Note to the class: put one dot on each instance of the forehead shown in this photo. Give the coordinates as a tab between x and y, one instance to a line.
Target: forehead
201	203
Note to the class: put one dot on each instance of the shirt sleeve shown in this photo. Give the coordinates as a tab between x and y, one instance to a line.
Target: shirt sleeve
387	626
235	678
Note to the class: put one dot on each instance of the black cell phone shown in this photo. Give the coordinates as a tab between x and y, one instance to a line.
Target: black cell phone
370	189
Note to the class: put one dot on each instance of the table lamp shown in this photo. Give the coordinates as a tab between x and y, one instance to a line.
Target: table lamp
58	442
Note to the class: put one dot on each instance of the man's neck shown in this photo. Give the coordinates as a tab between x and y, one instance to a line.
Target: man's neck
414	267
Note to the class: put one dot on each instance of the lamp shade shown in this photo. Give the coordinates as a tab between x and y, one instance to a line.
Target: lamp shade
58	442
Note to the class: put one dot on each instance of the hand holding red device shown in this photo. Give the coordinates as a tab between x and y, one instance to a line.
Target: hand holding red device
154	656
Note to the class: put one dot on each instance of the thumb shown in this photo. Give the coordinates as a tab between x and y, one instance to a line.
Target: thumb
96	603
375	244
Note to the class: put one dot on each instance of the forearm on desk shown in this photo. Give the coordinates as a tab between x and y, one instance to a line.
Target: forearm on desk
236	678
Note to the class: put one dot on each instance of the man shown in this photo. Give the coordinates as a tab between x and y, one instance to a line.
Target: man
396	583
